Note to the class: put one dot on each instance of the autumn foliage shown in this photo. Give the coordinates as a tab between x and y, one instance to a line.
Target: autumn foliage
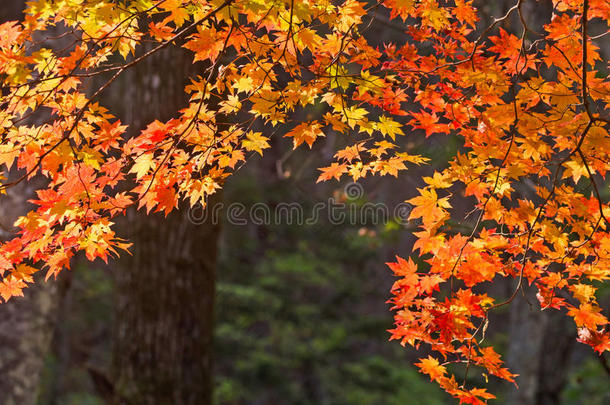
530	110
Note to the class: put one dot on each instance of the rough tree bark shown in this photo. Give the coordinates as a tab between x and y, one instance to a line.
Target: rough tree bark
540	344
26	324
525	347
163	346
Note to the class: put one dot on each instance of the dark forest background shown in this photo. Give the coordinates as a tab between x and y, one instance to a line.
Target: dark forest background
264	314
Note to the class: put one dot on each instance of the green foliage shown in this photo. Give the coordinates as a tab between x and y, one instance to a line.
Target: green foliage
301	318
587	385
82	339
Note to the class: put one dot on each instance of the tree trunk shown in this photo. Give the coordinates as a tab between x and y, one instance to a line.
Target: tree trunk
163	346
26	324
559	342
525	347
539	349
163	350
26	329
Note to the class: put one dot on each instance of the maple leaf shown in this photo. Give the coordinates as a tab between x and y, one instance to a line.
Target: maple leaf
230	160
432	368
335	170
142	165
465	12
438	180
160	31
231	105
402	8
434	15
403	267
588	316
11	287
429	284
583	292
9	33
428	205
244	84
255	141
598	339
335	121
204	44
389	127
428	122
166	199
506	45
350	153
178	14
305	132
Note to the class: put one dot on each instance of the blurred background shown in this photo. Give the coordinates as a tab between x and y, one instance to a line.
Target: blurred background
265	312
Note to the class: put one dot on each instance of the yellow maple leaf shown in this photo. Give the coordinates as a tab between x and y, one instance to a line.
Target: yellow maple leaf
142	165
244	84
389	127
255	141
230	105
